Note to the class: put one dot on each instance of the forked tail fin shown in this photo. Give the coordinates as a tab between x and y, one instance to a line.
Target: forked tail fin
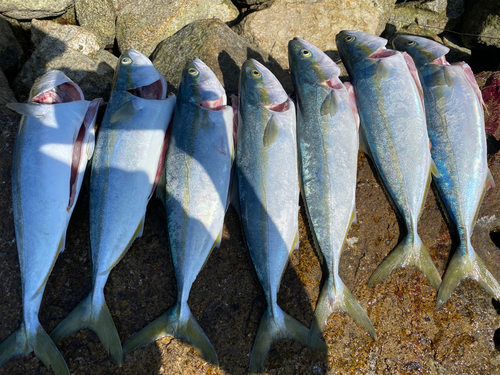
409	252
274	327
23	342
175	323
465	263
92	313
338	298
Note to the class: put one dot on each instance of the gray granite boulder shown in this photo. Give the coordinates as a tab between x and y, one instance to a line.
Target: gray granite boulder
29	9
317	22
482	18
98	16
10	50
75	51
142	25
426	18
217	45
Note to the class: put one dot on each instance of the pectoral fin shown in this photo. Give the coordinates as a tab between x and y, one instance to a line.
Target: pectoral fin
329	106
382	70
271	132
126	112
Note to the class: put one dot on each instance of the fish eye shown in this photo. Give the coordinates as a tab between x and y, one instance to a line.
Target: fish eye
126	60
349	38
305	52
193	71
255	73
411	43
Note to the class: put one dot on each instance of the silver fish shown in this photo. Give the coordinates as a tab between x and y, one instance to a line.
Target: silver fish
327	132
195	191
394	133
269	196
455	122
127	164
54	143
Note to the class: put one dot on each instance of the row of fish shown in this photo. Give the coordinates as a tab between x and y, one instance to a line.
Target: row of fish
386	97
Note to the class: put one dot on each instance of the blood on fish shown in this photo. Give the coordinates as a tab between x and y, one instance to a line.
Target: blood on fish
63	93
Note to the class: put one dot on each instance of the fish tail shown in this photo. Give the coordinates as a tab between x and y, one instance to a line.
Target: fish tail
338	298
178	322
409	252
276	325
23	342
465	263
92	313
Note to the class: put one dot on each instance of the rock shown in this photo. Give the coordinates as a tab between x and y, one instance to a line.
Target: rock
143	25
10	49
217	45
425	18
29	9
75	51
482	18
317	22
99	17
457	51
489	83
6	93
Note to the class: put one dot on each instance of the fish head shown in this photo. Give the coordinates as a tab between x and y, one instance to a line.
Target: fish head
423	51
259	87
356	46
308	63
200	85
136	74
54	87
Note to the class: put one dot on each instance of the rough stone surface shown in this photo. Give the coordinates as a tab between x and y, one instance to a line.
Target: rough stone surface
6	93
218	46
75	51
98	16
425	18
10	49
29	9
317	22
228	301
482	18
143	25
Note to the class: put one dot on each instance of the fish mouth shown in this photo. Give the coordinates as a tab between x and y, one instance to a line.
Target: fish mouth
441	61
64	93
382	52
154	91
281	107
213	105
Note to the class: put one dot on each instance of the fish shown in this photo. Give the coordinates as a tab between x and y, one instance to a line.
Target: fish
267	170
393	132
55	140
195	190
127	164
455	124
327	133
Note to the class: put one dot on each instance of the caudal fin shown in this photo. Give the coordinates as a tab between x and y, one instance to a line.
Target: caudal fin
22	342
465	263
338	298
273	328
94	314
408	253
175	323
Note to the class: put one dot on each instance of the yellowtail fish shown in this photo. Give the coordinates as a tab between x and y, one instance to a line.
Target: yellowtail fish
54	143
126	168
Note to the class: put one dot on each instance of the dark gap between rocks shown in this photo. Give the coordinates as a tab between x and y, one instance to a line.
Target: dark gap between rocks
496	335
495	237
